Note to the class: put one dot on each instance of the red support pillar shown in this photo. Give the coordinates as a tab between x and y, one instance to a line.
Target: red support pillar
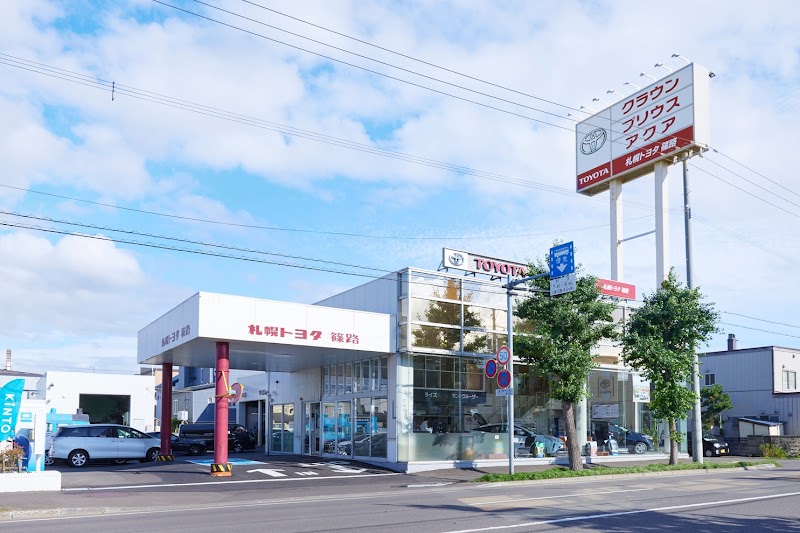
166	412
221	467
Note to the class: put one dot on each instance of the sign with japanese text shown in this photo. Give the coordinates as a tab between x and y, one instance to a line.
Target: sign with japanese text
616	288
563	285
605	410
562	260
469	262
657	121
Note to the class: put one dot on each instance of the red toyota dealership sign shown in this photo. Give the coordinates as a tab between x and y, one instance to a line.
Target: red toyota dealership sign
616	288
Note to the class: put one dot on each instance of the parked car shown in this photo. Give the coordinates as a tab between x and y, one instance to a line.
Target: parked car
525	438
181	444
78	445
239	437
626	439
712	446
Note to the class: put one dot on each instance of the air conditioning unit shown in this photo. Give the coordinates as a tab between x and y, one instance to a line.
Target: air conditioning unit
182	415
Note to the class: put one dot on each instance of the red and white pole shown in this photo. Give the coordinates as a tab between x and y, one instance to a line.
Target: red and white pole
166	412
220	466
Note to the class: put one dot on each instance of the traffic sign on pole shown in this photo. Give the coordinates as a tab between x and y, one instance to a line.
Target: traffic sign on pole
503	379
491	368
503	355
562	260
563	284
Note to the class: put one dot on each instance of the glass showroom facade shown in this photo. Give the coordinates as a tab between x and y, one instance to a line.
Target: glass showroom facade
448	326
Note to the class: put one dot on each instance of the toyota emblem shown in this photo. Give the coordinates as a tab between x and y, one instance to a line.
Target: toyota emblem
456	259
593	141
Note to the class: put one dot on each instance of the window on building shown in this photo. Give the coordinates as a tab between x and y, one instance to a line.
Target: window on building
711	379
789	380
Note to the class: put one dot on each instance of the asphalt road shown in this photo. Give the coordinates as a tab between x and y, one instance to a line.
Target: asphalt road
756	500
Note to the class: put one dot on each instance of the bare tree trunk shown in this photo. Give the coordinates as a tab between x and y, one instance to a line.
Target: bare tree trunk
573	447
673	444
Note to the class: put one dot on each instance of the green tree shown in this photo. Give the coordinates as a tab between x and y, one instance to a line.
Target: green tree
565	329
659	343
714	401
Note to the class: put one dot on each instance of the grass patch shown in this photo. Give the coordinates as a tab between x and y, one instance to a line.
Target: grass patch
601	470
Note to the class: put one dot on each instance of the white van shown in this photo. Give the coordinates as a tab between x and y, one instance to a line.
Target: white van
77	445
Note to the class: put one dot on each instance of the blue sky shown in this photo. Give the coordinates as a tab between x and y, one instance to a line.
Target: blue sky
72	302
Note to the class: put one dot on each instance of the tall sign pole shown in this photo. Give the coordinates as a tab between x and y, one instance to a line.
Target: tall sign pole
697	436
511	371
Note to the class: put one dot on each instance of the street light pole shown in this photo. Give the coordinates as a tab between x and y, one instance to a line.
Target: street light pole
697	426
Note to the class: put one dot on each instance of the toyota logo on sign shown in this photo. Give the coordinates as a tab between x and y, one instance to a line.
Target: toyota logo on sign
593	141
456	259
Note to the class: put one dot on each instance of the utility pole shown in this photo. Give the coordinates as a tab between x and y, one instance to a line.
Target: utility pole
697	429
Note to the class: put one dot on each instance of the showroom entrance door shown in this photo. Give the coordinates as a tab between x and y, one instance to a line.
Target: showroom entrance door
311	425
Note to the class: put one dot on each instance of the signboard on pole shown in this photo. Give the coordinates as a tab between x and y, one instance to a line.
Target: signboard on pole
656	122
491	368
504	379
562	260
503	355
617	289
563	285
504	392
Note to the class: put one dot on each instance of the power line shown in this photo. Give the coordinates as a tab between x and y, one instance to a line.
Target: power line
761	330
745	191
762	320
752	182
388	76
753	171
551	102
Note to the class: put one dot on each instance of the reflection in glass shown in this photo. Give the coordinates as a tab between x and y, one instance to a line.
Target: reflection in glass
490	319
436	311
435	286
440	338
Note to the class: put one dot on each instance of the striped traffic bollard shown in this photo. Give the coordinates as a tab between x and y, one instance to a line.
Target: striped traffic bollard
221	469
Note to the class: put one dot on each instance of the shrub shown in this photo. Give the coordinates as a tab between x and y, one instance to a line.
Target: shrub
11	459
770	450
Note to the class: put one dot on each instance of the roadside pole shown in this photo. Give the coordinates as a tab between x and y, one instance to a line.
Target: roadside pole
697	426
510	371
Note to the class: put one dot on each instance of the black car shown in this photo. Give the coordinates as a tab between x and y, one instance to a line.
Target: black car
239	437
712	446
630	440
181	444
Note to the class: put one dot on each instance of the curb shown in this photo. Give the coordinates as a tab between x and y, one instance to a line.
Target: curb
668	473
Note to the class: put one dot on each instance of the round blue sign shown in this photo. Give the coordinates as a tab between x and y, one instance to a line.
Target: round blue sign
491	368
504	379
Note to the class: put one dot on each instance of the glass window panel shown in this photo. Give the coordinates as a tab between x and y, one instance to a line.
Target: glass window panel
402	340
364	421
403	304
344	429
435	311
348	378
482	342
384	373
403	281
448	380
435	286
277	428
486	318
340	379
487	294
378	440
448	364
374	370
326	380
435	337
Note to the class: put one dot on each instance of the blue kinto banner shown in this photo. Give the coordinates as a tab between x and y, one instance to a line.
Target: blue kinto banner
10	401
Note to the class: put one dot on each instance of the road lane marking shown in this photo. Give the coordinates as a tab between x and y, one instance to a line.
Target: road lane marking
625	513
576	495
238	481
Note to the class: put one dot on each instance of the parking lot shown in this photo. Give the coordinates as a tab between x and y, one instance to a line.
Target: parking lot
188	471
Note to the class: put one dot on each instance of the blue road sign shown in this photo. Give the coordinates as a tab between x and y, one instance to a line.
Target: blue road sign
562	260
503	379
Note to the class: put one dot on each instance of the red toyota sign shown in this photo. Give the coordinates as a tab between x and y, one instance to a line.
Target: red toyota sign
616	288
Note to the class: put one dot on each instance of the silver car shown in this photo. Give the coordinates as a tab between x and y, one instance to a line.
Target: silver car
77	445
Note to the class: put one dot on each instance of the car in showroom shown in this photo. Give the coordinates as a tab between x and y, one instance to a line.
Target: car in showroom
712	446
182	444
239	437
525	438
626	439
79	445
